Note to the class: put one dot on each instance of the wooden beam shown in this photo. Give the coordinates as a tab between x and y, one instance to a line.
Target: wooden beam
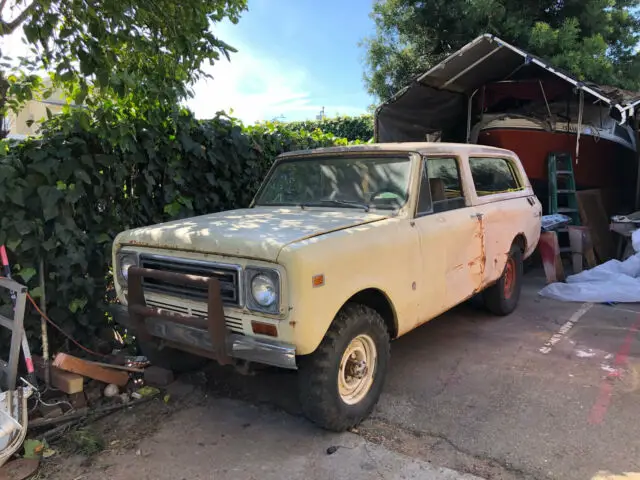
118	367
67	382
82	367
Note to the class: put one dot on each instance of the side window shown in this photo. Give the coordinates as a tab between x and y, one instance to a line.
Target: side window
494	175
441	179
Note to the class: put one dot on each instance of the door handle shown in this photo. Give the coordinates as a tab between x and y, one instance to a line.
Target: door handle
477	215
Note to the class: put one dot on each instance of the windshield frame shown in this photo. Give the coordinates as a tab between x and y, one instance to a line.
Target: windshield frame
311	157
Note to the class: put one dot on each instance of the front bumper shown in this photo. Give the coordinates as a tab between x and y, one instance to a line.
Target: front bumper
205	337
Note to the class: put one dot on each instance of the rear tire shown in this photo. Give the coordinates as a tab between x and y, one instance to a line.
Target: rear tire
340	383
502	297
170	358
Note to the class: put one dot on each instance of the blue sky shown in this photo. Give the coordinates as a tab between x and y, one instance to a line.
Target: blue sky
294	57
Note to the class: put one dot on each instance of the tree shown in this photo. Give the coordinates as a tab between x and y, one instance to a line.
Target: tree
593	39
142	52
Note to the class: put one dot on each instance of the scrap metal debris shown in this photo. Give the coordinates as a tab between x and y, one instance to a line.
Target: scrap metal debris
13	421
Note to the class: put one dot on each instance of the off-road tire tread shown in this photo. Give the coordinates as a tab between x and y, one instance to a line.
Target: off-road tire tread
316	373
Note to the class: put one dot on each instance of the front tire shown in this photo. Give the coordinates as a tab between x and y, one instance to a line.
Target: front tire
340	383
502	297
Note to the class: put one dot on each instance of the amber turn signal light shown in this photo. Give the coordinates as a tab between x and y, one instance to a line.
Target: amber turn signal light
260	328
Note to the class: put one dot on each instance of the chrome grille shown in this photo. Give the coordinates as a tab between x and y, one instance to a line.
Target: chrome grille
228	275
233	324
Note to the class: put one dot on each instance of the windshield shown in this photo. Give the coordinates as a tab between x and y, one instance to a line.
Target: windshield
341	181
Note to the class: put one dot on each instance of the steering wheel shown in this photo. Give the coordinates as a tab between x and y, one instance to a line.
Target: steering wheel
389	189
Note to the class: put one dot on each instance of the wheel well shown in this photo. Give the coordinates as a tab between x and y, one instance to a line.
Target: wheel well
376	299
521	241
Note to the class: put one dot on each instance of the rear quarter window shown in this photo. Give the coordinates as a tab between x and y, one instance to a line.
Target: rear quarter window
492	175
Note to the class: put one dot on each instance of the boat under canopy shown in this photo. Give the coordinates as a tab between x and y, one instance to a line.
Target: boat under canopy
492	93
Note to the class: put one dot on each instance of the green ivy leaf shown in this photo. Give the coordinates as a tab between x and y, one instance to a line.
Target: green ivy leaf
49	197
24	227
77	304
36	292
27	274
30	243
172	209
187	202
82	176
17	197
14	244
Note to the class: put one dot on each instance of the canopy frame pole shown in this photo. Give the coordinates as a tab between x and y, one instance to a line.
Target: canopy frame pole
544	95
473	65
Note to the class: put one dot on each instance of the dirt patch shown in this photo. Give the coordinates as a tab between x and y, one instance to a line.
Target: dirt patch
115	433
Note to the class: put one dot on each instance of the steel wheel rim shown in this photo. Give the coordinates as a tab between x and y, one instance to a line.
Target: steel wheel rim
509	277
357	369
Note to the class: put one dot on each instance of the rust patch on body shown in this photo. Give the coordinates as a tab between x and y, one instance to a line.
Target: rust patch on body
483	254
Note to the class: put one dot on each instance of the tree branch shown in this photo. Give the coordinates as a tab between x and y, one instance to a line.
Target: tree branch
8	28
2	4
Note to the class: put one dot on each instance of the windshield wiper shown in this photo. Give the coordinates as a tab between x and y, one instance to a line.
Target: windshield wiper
343	203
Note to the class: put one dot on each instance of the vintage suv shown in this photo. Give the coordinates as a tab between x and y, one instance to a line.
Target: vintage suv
342	250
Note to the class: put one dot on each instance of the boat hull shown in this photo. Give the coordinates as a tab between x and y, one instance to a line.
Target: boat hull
602	163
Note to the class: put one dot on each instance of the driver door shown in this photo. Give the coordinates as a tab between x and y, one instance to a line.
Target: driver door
451	241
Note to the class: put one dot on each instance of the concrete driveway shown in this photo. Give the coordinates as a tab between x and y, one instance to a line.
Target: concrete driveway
550	392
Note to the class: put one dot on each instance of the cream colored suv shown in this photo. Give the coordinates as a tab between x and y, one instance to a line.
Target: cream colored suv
342	250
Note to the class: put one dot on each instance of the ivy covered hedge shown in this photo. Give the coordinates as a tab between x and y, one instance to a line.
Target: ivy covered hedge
352	128
65	196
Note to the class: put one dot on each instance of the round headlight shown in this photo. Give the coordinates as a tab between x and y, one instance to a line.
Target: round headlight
126	263
263	290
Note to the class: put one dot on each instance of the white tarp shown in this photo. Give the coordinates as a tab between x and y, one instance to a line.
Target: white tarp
613	281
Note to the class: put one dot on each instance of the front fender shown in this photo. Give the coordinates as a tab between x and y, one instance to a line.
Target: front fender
379	255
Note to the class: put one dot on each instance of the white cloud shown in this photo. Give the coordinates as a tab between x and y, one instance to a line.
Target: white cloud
259	88
254	86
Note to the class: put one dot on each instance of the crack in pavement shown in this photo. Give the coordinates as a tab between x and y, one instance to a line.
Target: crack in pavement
375	463
489	463
450	376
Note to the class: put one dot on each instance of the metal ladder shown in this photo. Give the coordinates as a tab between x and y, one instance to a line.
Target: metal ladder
9	369
562	186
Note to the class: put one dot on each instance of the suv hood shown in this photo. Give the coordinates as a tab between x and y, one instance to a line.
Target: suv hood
258	233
